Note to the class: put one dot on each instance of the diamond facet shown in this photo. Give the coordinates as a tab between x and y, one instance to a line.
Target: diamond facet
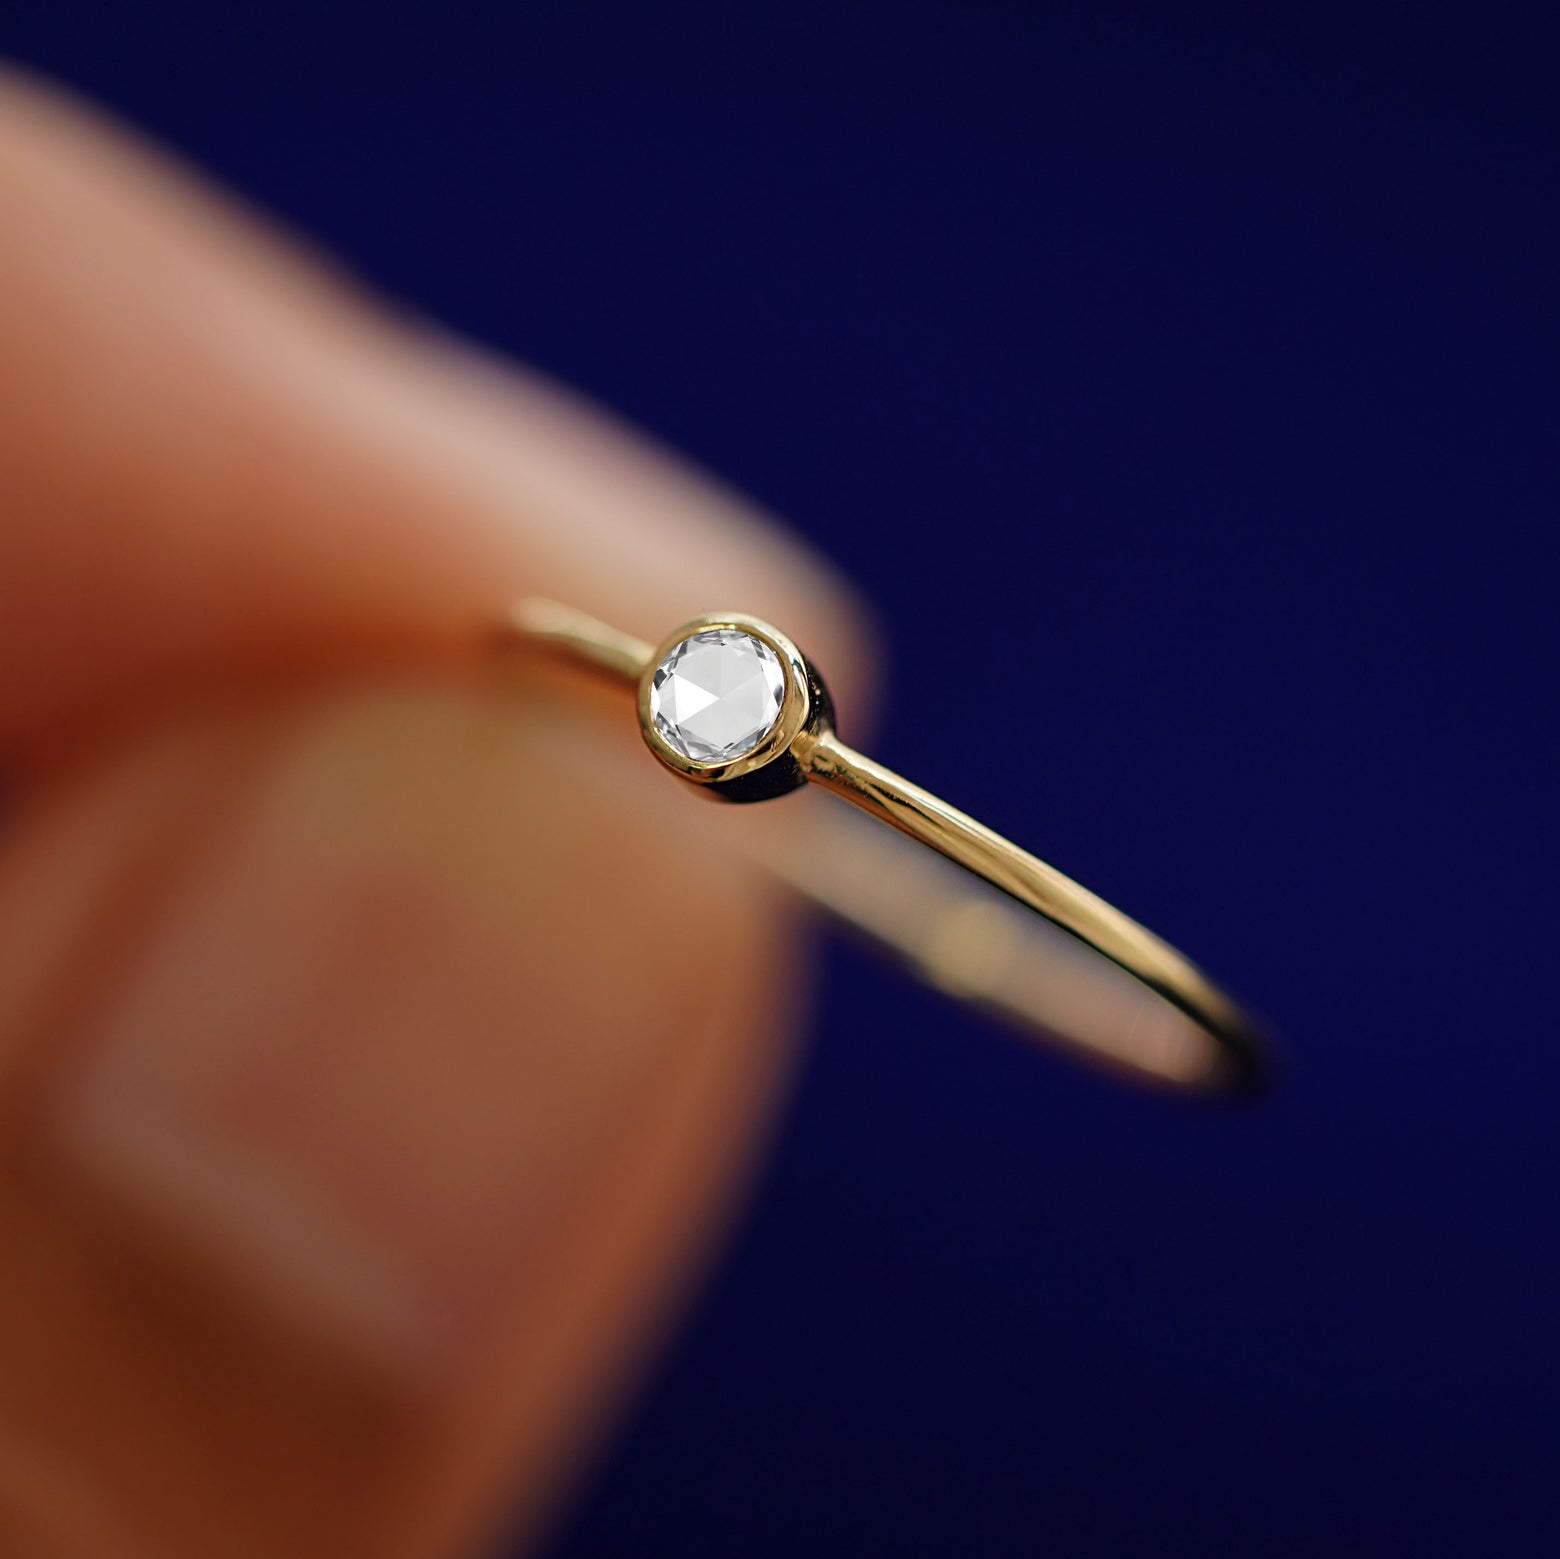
717	695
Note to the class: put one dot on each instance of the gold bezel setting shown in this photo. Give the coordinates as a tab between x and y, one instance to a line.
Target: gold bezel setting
795	703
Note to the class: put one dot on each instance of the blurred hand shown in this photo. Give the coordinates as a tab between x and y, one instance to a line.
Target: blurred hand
365	1084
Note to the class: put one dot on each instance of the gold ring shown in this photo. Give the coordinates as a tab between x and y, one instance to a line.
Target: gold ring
731	705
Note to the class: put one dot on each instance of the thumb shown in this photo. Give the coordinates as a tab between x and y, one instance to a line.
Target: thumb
372	1063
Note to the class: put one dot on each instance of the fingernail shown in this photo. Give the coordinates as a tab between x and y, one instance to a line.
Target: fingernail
337	1056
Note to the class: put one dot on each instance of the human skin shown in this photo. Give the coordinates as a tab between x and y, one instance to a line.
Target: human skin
363	1110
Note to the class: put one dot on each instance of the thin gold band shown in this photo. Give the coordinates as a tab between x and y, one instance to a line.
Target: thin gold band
1169	1024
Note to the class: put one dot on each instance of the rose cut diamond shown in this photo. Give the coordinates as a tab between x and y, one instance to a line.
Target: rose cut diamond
717	695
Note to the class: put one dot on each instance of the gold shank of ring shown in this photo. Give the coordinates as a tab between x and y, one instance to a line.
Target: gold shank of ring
1171	1025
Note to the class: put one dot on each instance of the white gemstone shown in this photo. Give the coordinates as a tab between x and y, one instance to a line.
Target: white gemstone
717	695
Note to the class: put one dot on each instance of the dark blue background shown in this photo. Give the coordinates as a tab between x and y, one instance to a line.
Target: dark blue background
1226	347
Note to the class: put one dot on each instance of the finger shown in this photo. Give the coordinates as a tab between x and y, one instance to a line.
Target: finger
214	459
228	468
370	1134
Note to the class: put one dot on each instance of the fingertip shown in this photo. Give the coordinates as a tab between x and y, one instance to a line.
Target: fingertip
229	462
